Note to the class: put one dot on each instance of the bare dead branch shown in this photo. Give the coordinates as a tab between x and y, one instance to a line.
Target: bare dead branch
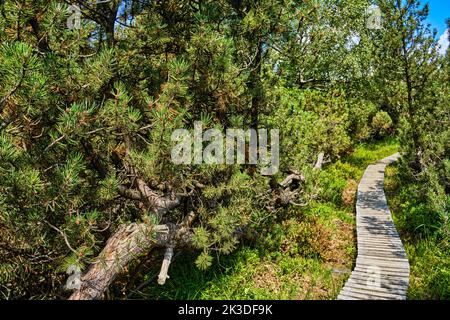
163	276
320	161
129	193
63	235
291	178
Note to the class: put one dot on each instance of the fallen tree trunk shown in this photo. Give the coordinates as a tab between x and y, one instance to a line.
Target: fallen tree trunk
126	244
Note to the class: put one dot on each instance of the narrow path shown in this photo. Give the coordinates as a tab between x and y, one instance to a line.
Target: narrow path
382	267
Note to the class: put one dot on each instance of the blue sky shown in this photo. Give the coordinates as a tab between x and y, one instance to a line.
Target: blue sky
439	12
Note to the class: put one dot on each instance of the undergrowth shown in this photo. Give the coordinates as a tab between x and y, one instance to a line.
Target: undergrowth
308	255
425	236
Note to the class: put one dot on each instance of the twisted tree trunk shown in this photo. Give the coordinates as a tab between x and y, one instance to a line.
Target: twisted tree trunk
126	244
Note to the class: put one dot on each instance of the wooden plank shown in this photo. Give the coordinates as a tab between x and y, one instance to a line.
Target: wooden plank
347	296
374	254
384	285
381	227
385	272
387	281
386	244
374	291
380	255
370	237
382	263
371	295
381	248
376	233
383	266
388	277
358	296
393	259
381	260
369	228
380	243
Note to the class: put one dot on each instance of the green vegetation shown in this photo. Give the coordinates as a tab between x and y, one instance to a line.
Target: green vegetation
89	106
307	256
425	235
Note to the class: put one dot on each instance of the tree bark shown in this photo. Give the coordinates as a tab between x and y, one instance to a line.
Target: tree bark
126	244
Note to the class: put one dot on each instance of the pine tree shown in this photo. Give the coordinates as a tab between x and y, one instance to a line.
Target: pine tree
412	78
87	115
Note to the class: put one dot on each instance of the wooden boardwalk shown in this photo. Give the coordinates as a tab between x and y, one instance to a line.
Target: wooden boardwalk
382	267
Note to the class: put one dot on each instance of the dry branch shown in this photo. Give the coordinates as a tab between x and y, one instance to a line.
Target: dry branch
165	266
158	204
320	161
291	178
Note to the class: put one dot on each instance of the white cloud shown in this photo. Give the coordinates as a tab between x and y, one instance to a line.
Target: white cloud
443	43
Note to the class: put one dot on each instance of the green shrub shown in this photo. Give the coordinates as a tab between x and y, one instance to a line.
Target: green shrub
381	124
